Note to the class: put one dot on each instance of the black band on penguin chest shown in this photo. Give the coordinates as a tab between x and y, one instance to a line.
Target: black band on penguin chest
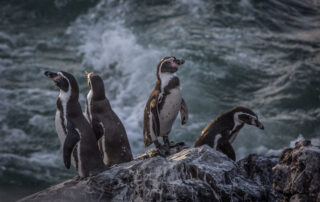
173	83
235	130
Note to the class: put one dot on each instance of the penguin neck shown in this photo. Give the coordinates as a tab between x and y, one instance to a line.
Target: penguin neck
63	99
68	96
97	94
237	123
165	79
97	91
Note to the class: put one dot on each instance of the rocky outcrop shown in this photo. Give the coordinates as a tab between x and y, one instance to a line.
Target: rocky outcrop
297	174
258	168
191	174
200	174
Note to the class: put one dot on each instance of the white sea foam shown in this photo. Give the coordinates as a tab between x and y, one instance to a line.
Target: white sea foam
45	159
111	44
41	122
115	45
242	151
16	135
39	165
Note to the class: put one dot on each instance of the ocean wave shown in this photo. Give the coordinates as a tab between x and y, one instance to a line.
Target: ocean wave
263	150
259	54
37	167
227	60
127	67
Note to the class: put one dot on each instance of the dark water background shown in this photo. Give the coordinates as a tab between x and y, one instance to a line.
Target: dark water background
261	54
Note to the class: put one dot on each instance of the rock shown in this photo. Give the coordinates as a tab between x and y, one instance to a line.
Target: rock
299	198
258	168
193	174
297	174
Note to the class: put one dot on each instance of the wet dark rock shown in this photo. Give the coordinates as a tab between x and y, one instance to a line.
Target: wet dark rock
200	174
258	168
193	174
299	198
297	174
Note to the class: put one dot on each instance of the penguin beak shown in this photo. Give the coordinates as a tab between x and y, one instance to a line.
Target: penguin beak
50	75
259	125
89	76
54	76
178	61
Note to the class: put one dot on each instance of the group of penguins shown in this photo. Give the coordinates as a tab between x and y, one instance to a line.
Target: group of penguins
99	140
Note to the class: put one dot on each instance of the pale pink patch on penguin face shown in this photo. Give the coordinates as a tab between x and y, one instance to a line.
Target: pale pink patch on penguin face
253	121
173	64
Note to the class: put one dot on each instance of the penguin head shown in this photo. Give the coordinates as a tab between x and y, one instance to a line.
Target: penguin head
246	115
96	85
65	81
169	65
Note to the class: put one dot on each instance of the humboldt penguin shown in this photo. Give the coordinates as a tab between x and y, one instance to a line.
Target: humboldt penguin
109	130
74	131
223	130
164	104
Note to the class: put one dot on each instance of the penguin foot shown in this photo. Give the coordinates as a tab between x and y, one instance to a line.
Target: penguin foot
73	181
164	152
76	178
172	144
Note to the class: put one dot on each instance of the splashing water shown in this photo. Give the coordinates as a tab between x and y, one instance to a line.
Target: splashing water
263	55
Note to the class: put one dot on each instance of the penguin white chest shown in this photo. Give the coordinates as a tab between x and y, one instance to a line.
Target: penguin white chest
89	99
59	127
170	110
61	133
61	116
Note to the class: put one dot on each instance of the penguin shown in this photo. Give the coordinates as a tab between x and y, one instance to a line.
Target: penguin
74	131
164	104
108	128
223	130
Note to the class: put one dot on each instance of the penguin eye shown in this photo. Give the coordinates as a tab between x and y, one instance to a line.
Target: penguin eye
165	64
244	118
63	84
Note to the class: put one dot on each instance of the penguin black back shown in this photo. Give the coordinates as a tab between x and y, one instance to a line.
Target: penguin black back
73	129
96	84
109	130
222	131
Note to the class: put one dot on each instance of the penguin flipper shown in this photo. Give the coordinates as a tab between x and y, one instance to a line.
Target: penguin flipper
97	128
155	118
184	112
70	142
151	121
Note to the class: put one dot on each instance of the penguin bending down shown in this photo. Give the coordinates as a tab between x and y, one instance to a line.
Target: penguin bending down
74	131
164	104
223	130
107	126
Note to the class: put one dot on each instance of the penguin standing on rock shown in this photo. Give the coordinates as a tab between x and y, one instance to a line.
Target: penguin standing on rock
74	131
223	130
108	128
164	104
